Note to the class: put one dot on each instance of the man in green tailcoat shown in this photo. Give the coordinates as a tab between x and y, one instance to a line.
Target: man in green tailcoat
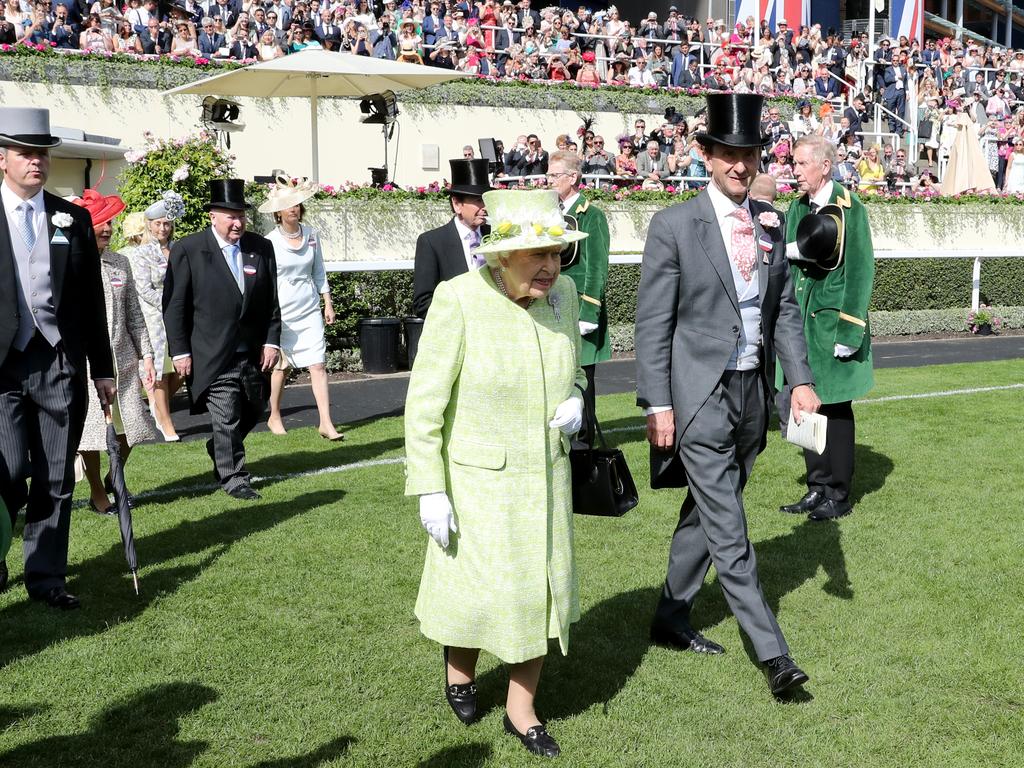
833	273
589	270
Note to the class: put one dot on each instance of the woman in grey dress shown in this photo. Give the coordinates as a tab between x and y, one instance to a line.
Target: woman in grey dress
153	234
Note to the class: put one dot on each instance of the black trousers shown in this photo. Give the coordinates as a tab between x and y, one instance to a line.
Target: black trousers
236	401
584	438
832	472
42	414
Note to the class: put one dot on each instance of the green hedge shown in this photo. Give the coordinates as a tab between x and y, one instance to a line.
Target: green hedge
900	285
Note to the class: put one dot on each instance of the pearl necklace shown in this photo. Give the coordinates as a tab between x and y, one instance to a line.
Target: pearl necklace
501	285
291	236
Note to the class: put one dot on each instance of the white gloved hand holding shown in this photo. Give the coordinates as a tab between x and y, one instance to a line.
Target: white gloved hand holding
586	327
568	416
437	517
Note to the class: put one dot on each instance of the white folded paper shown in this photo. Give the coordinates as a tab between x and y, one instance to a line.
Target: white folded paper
809	433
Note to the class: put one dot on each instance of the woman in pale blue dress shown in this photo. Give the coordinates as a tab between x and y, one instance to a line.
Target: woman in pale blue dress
301	284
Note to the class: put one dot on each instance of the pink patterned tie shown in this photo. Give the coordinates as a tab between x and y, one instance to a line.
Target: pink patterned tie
743	250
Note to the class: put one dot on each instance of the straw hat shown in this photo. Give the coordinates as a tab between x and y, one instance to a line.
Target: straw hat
287	193
134	225
525	219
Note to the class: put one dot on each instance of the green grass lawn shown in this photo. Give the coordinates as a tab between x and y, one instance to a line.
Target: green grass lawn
281	635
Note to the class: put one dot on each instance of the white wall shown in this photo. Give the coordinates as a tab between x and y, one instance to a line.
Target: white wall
277	133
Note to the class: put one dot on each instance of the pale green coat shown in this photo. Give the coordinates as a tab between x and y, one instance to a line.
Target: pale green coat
488	377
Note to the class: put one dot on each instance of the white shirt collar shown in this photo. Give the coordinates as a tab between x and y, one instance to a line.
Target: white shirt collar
462	228
821	197
222	243
722	204
569	202
12	201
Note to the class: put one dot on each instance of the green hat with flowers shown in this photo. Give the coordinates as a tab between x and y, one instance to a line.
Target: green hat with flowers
525	219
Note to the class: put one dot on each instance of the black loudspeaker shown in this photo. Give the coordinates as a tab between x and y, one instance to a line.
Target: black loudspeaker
488	150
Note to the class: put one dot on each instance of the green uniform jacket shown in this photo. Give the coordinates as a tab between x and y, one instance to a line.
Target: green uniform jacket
487	380
834	304
590	273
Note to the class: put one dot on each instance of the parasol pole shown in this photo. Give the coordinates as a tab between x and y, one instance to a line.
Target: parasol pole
314	128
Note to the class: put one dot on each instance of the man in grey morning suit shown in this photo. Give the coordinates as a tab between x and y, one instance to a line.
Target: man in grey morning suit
715	306
52	320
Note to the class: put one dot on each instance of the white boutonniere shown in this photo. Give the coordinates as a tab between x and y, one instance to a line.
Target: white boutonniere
768	219
61	220
555	300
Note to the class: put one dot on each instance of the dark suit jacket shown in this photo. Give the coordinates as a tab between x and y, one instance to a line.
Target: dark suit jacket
690	78
77	291
210	44
242	50
688	319
207	317
162	43
439	257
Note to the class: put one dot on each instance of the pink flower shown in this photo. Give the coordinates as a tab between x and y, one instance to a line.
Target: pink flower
768	219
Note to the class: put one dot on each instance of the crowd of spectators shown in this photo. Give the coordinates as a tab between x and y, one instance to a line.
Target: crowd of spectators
927	90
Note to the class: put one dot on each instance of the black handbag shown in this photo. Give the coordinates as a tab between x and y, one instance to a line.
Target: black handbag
924	129
602	484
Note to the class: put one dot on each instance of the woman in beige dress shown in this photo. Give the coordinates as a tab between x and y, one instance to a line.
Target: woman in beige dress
130	345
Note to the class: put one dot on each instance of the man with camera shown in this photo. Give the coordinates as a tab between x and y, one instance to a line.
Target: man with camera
157	37
62	31
383	40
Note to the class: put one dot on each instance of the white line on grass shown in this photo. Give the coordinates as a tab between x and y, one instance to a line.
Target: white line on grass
176	491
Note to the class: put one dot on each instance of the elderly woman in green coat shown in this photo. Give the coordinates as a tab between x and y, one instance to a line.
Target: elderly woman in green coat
493	401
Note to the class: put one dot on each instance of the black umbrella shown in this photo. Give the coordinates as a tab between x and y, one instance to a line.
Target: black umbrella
124	511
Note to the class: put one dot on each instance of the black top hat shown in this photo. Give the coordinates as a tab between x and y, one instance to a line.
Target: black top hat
734	119
227	193
821	238
26	127
470	177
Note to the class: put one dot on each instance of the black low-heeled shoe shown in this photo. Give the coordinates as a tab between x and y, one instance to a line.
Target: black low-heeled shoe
537	740
461	697
108	486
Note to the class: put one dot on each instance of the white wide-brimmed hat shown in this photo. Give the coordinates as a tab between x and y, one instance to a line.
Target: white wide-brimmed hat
287	193
524	220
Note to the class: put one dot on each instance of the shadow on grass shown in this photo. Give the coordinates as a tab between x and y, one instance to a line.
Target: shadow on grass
107	596
462	756
606	646
784	564
11	715
332	750
140	731
279	464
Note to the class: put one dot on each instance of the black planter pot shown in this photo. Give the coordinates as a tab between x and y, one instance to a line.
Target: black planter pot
379	344
413	330
984	329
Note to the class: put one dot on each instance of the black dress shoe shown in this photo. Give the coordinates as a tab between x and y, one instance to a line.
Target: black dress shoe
3	574
461	696
536	739
59	597
783	675
808	503
830	509
684	639
245	492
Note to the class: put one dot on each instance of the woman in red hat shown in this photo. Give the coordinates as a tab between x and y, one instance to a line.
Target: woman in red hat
129	343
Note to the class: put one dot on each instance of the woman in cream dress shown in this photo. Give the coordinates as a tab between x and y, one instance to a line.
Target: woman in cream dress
152	233
301	284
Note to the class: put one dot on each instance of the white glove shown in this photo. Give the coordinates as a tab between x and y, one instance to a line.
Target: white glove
586	327
437	517
844	351
568	416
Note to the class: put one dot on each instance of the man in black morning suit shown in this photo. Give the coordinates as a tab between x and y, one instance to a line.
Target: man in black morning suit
52	320
224	327
445	252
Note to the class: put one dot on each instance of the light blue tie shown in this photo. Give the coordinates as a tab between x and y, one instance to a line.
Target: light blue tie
236	268
26	226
